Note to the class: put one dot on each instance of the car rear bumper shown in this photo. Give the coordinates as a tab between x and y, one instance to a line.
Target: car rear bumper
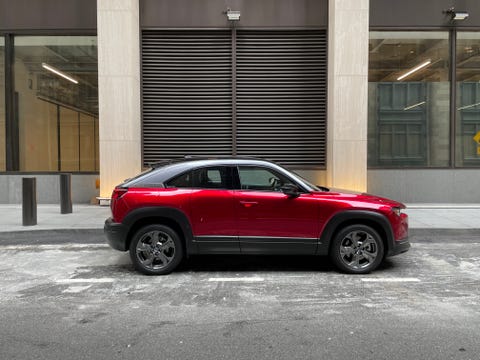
399	247
116	234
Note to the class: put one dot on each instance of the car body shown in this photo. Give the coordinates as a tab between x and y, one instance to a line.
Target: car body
248	206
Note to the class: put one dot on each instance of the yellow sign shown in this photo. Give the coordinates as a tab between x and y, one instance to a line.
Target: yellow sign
477	138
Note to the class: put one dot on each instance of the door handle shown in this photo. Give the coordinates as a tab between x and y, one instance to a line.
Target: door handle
248	204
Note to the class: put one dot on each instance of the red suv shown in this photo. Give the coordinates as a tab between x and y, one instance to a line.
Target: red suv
248	206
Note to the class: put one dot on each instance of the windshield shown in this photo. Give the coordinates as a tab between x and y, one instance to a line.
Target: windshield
314	187
305	181
308	183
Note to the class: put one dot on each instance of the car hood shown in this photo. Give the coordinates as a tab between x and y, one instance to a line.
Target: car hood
348	195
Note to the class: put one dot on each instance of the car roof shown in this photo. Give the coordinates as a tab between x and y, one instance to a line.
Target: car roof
180	166
202	161
168	169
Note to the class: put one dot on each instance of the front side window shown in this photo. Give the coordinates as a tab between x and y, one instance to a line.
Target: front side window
261	179
56	103
468	100
409	99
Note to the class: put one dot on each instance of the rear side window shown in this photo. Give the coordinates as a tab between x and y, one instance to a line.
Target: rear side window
182	181
151	178
204	178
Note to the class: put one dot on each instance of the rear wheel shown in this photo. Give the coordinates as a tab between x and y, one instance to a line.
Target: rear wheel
156	250
357	249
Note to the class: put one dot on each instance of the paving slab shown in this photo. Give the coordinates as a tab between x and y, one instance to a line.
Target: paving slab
421	216
50	218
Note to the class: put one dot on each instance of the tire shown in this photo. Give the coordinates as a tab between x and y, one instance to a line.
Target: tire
156	250
357	249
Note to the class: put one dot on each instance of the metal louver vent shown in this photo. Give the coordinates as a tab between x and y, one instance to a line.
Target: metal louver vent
269	102
187	102
281	95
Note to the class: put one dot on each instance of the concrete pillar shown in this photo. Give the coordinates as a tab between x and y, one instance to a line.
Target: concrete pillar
347	94
118	91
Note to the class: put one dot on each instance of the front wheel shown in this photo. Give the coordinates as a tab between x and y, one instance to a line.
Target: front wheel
357	249
156	250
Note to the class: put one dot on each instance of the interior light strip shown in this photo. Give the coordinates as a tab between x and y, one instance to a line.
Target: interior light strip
59	73
414	105
468	106
416	68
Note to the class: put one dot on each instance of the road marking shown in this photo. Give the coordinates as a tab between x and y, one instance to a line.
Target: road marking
80	281
392	280
76	289
237	279
53	246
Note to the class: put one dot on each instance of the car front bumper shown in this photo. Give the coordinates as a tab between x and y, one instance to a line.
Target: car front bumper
116	234
399	247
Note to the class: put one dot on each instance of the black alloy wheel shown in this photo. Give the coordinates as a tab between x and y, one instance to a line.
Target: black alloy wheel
357	249
156	250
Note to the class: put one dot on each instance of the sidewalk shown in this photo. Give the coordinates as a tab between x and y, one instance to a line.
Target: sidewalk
49	218
444	216
421	216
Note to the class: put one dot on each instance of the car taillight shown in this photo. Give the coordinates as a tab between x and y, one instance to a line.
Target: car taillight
118	193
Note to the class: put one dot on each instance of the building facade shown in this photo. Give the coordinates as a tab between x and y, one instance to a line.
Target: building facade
379	96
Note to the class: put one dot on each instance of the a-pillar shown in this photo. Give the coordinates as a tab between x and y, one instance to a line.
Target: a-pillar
347	94
118	91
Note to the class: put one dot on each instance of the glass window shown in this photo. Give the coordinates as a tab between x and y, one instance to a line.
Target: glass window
97	145
254	178
181	181
204	178
87	146
56	102
2	105
468	99
69	142
409	99
210	178
38	137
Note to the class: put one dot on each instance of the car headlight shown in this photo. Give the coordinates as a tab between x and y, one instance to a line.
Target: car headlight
396	210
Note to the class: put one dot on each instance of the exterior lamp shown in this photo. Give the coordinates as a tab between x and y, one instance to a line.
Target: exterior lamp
233	15
456	15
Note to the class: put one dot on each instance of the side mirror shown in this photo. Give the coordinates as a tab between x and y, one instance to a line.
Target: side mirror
290	190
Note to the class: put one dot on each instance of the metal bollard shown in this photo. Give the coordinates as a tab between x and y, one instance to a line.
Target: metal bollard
65	193
29	201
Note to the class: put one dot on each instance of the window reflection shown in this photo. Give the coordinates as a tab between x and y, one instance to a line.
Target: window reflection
409	95
56	89
2	105
69	142
468	98
87	146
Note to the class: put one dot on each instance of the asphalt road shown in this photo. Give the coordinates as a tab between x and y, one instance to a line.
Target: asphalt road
77	299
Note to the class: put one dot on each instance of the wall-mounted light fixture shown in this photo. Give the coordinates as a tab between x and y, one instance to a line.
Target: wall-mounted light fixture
415	69
456	15
59	73
233	15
